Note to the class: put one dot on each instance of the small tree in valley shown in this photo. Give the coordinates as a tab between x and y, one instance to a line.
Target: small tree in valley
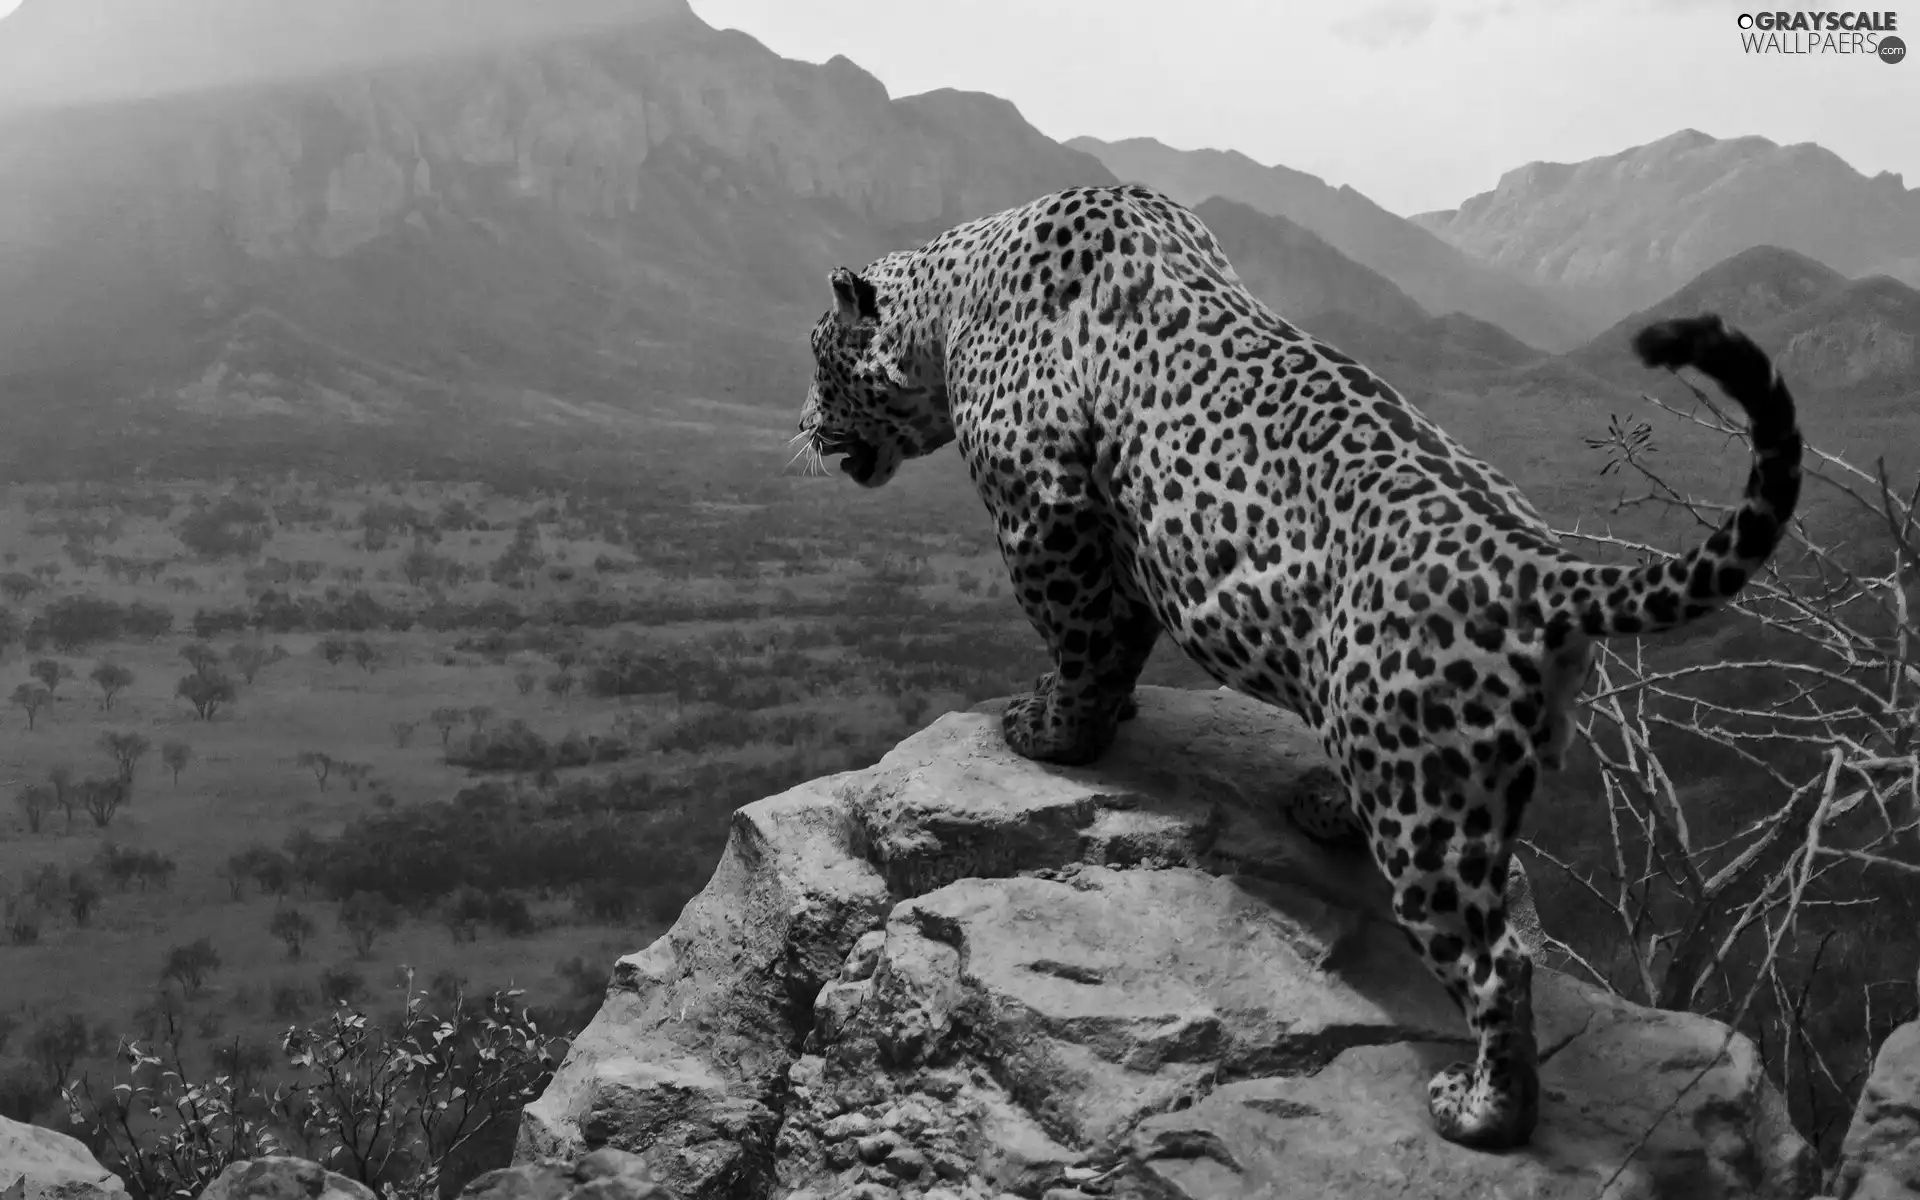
201	657
319	762
292	927
111	678
51	672
31	697
126	748
206	692
191	964
36	801
446	720
365	916
176	756
249	659
102	798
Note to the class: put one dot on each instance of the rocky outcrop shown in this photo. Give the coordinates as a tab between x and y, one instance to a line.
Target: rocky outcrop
605	1174
1880	1159
44	1164
279	1177
961	974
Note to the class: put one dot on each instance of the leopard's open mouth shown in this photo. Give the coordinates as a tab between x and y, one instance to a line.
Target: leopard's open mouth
860	459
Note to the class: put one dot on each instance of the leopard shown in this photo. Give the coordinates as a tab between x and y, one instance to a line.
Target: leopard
1160	452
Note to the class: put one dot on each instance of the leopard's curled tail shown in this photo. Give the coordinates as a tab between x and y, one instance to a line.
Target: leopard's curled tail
1670	592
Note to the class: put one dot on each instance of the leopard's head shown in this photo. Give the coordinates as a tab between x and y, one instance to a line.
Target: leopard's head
877	398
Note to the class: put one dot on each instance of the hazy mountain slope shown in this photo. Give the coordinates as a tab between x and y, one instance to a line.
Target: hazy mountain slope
1300	275
1850	349
61	52
1860	339
1632	227
1439	277
1352	307
1749	289
1439	352
1828	334
644	212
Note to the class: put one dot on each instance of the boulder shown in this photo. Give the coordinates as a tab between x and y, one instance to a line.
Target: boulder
279	1177
1880	1160
43	1164
959	974
605	1174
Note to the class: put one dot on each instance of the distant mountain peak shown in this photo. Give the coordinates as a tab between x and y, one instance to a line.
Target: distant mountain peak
1827	332
618	217
1629	228
1682	139
968	101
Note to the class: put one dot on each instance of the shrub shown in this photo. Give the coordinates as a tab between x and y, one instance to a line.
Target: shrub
406	1106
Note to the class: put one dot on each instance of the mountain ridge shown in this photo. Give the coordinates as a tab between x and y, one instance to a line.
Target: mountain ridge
1629	228
1827	332
567	235
617	217
1440	277
1298	273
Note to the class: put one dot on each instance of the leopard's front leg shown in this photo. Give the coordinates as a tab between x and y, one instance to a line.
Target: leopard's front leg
1129	708
1031	455
1099	637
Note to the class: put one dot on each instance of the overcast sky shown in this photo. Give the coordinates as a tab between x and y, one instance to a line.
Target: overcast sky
1417	103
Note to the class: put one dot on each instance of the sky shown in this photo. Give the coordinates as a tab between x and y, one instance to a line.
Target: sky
1417	103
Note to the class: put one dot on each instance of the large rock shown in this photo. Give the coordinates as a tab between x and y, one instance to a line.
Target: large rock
605	1174
1880	1159
43	1164
960	974
281	1177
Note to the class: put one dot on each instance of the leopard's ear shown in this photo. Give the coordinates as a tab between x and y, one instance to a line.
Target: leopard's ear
854	298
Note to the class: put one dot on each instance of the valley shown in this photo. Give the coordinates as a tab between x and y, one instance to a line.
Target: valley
403	577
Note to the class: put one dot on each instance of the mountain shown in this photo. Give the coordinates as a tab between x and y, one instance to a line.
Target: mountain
1441	278
1850	350
1829	334
1749	289
1630	228
479	246
60	52
1299	275
1440	351
1351	307
1862	339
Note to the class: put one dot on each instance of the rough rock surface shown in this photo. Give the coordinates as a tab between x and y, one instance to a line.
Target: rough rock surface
605	1174
279	1177
45	1164
960	974
1881	1157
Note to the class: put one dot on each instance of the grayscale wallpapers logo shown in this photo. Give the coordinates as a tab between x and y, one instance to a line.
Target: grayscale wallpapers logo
1854	34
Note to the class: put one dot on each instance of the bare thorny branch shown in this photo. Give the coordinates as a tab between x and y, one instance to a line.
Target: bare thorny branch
1830	717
